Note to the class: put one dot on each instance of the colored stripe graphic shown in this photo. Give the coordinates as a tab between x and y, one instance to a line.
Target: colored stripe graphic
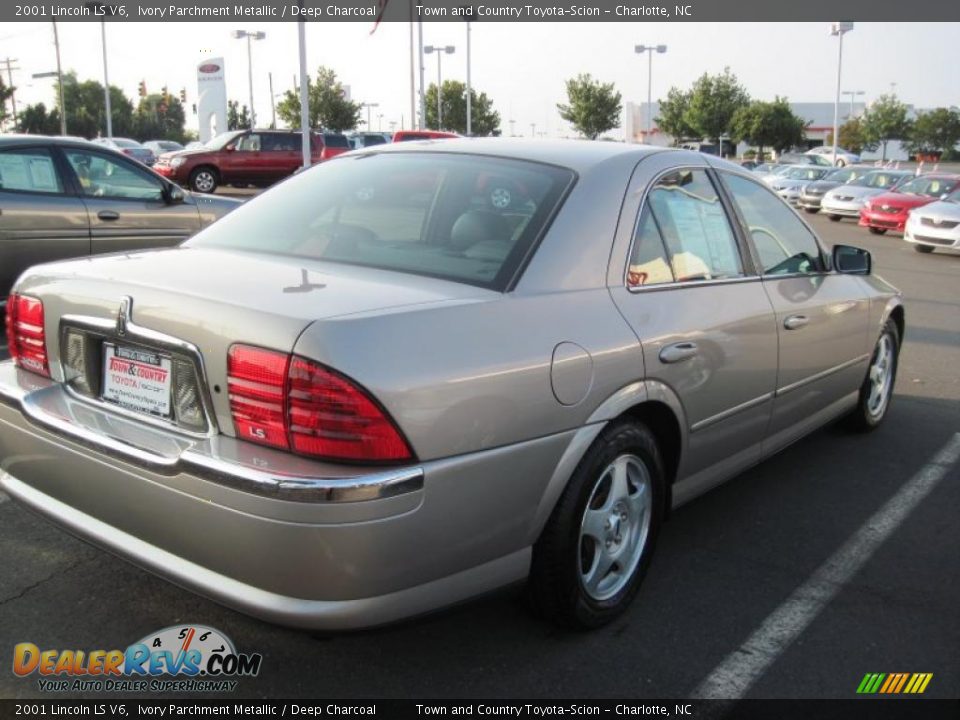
894	683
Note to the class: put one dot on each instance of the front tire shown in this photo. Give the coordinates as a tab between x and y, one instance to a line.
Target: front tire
876	391
834	218
876	230
597	545
923	248
812	211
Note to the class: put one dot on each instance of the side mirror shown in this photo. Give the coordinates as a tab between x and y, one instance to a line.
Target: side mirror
851	260
230	148
173	194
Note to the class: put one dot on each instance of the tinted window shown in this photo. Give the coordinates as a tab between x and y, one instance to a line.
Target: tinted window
335	140
101	176
649	264
464	218
783	242
695	230
281	142
29	170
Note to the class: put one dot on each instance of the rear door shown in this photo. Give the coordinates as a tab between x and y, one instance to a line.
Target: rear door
40	218
704	322
821	317
126	203
281	155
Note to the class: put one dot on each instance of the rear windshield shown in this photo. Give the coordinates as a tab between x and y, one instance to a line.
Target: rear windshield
465	218
332	140
122	142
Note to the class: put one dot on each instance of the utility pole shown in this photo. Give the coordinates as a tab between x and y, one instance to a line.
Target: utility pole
63	108
13	96
106	80
273	104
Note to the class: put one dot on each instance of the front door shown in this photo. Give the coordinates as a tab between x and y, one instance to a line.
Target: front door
126	203
821	317
703	319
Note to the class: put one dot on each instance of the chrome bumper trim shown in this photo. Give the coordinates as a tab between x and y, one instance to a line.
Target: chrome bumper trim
48	405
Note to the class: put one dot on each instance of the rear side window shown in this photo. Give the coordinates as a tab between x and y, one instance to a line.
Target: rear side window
335	140
683	233
783	242
29	171
466	218
281	142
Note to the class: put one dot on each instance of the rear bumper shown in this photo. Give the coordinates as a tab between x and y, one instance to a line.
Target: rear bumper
423	538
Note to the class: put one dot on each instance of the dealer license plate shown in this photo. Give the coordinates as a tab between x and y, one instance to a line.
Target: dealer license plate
137	379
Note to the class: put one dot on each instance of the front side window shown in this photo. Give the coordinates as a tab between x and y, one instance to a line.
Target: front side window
683	234
783	242
101	176
29	170
249	143
465	218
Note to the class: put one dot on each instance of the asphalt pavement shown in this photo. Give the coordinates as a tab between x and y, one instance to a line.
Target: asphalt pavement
844	547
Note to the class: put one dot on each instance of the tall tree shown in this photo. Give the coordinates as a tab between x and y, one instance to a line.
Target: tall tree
484	119
852	137
237	118
768	124
714	100
5	93
36	120
329	107
885	120
86	111
593	107
937	131
673	116
160	116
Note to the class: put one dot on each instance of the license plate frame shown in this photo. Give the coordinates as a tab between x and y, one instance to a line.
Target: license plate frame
137	379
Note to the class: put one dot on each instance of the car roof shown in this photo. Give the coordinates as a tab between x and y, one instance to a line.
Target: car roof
578	155
15	140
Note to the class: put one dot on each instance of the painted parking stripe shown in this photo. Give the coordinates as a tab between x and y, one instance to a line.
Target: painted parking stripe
737	673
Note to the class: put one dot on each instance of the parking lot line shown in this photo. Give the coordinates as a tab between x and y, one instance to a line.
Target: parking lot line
733	677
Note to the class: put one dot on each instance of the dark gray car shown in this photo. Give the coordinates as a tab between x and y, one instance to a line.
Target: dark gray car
62	199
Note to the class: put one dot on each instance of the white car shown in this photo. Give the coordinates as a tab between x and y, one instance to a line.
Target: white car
790	184
844	157
846	200
935	225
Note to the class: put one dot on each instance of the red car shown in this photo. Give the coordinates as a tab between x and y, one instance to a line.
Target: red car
246	157
889	210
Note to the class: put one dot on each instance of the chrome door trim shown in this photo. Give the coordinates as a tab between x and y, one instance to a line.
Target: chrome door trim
820	375
713	419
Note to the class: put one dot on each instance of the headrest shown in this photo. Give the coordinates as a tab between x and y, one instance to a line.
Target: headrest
476	226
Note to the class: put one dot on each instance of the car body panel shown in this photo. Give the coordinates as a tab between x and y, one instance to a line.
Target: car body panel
499	393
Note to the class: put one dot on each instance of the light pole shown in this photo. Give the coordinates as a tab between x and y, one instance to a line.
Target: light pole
852	94
439	50
379	122
63	109
106	79
469	13
839	29
650	50
305	144
368	106
250	36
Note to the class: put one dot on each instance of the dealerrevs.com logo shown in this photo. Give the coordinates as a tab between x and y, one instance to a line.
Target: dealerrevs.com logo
180	658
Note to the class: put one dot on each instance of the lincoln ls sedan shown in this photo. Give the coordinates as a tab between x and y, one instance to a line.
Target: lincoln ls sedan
424	371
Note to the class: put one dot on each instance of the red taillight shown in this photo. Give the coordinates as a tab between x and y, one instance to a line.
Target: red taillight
25	335
292	403
331	417
257	386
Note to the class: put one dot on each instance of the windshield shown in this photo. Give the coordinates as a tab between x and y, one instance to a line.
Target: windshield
220	141
928	186
844	175
953	197
805	173
878	179
465	218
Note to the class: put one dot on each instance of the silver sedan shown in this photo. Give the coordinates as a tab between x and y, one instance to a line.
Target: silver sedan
421	372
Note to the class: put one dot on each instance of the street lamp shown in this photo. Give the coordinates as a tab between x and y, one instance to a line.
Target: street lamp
839	29
852	94
439	50
469	14
239	35
650	49
368	106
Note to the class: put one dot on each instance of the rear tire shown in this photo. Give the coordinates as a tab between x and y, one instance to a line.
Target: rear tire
597	545
812	211
204	180
923	248
876	392
876	230
835	218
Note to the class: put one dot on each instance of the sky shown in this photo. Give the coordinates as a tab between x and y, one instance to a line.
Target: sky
521	66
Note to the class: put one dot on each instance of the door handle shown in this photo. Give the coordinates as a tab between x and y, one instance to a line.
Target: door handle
108	215
678	351
794	322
